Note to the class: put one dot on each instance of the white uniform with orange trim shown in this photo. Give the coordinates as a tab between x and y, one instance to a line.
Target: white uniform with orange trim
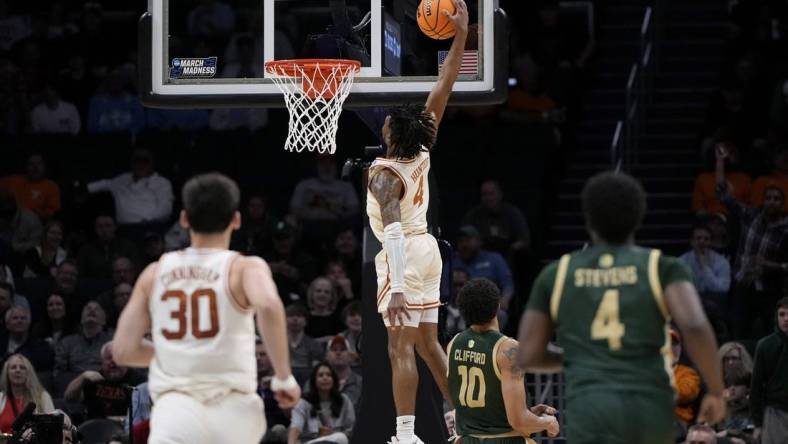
203	377
423	263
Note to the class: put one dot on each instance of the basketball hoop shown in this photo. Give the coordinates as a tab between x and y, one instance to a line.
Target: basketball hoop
314	91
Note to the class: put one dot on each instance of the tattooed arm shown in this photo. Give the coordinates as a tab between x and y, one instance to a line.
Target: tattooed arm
513	387
387	189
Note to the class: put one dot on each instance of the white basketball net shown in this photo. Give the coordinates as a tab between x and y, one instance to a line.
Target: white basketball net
314	95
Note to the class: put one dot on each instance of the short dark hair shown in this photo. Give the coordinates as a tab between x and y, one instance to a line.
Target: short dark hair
210	200
412	130
782	303
353	308
296	310
478	301
614	205
702	227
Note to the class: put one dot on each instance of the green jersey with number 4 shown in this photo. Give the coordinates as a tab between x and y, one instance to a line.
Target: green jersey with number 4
608	308
475	383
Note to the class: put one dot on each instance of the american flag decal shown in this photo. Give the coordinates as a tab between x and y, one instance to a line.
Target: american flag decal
470	61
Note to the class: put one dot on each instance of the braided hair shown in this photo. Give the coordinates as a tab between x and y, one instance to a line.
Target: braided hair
412	130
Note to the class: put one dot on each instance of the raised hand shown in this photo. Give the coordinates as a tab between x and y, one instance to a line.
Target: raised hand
460	16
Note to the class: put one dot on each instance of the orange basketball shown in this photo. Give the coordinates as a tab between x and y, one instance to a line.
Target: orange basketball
432	21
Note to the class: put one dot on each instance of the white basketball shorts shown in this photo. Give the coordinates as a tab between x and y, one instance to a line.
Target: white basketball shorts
423	267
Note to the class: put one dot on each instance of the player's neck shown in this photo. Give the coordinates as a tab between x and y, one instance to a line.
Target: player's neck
599	242
218	241
481	328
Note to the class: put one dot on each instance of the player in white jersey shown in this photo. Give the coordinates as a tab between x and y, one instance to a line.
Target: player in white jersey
199	306
409	267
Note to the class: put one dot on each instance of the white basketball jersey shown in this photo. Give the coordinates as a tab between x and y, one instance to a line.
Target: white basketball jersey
203	340
414	202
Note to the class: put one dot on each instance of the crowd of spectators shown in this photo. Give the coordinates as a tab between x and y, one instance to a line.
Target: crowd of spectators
71	250
739	244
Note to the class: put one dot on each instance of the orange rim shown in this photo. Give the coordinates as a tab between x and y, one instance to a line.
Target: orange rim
294	67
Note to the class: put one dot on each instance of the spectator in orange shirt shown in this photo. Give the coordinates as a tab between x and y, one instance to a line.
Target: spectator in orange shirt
704	197
33	190
687	383
777	179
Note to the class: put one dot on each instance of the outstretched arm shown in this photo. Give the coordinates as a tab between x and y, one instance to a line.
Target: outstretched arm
513	387
387	189
129	348
439	96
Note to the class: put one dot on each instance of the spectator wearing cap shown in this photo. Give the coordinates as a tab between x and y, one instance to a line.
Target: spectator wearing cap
483	264
291	267
17	339
322	300
339	357
141	196
769	391
274	416
705	200
254	236
96	258
762	256
305	351
502	226
33	190
777	179
687	383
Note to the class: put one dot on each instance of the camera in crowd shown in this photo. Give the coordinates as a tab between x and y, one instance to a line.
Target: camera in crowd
352	167
30	428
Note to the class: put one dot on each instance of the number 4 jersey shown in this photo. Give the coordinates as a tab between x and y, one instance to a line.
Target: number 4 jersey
203	339
415	197
611	319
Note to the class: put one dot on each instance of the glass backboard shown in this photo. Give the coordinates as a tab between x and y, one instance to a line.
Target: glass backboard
209	53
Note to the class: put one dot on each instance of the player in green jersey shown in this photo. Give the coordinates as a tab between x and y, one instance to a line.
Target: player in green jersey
485	383
611	306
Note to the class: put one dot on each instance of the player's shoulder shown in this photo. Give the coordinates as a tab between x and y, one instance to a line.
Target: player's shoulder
506	353
149	273
250	264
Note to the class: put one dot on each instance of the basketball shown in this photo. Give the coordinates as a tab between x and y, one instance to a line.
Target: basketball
432	21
